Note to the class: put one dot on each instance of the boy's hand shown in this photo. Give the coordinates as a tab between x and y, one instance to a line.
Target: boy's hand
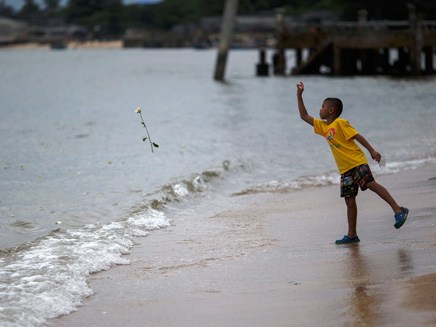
300	88
301	107
375	156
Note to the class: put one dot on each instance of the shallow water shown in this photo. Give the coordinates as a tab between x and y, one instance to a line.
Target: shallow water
78	184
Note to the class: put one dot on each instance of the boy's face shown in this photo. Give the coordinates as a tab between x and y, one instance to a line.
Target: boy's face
326	110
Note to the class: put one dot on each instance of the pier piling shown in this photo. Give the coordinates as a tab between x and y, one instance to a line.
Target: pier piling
280	63
262	68
230	9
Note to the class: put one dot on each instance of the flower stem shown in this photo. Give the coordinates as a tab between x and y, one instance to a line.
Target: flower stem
149	139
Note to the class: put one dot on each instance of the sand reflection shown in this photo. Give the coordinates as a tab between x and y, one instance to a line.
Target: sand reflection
404	262
365	298
363	301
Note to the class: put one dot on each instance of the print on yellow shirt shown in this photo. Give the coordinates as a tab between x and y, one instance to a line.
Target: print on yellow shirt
339	136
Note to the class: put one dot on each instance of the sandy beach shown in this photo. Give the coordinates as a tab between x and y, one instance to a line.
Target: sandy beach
270	260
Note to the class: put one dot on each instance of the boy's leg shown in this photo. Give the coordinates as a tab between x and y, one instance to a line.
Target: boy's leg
385	195
352	216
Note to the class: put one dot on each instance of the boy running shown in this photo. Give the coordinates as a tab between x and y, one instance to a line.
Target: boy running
350	159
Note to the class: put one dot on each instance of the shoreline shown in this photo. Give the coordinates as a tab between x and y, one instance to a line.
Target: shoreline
270	260
117	44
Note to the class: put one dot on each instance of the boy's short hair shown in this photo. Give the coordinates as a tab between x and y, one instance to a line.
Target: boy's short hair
335	103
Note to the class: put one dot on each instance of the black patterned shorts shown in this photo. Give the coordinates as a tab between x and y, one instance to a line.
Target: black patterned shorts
355	177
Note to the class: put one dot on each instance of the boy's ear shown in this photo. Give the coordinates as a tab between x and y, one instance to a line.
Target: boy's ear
332	110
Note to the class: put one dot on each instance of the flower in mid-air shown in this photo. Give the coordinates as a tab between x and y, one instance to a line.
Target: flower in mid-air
152	144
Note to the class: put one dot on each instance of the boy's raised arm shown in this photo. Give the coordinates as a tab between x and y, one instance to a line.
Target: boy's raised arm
301	107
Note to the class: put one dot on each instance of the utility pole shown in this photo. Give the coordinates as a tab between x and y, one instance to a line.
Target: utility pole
230	10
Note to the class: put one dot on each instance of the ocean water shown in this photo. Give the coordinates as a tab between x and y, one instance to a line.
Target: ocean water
78	185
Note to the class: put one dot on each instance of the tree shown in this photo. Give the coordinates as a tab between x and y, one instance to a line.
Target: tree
5	10
51	5
169	13
29	8
102	16
79	10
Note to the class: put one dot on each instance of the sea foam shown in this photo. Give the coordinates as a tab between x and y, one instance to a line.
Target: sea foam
332	177
48	277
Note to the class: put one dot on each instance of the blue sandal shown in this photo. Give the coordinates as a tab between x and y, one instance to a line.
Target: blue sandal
347	240
400	218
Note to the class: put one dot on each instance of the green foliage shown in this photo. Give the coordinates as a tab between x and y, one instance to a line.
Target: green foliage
112	17
104	16
29	8
139	16
167	13
173	12
6	10
51	5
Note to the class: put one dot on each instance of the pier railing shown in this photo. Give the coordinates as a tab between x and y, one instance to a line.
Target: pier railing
350	48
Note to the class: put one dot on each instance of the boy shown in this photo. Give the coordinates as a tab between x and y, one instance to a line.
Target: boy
350	159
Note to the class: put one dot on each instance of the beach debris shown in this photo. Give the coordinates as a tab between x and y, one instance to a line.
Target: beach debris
21	166
58	222
294	283
152	144
110	162
12	216
40	176
78	173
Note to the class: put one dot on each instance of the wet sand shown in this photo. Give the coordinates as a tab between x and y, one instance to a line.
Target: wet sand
270	260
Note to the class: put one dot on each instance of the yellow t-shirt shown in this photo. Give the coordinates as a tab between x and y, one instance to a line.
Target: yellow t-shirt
339	136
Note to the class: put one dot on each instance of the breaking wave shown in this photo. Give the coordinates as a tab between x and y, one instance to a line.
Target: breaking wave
329	178
46	278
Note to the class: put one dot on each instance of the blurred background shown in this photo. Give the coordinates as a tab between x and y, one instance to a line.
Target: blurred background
181	23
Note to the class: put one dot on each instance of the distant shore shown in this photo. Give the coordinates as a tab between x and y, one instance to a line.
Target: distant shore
117	44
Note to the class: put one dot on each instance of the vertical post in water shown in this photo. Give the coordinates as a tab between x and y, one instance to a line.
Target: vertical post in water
337	71
280	25
230	9
415	21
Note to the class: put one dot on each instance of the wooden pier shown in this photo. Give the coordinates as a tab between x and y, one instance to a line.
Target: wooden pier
361	48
